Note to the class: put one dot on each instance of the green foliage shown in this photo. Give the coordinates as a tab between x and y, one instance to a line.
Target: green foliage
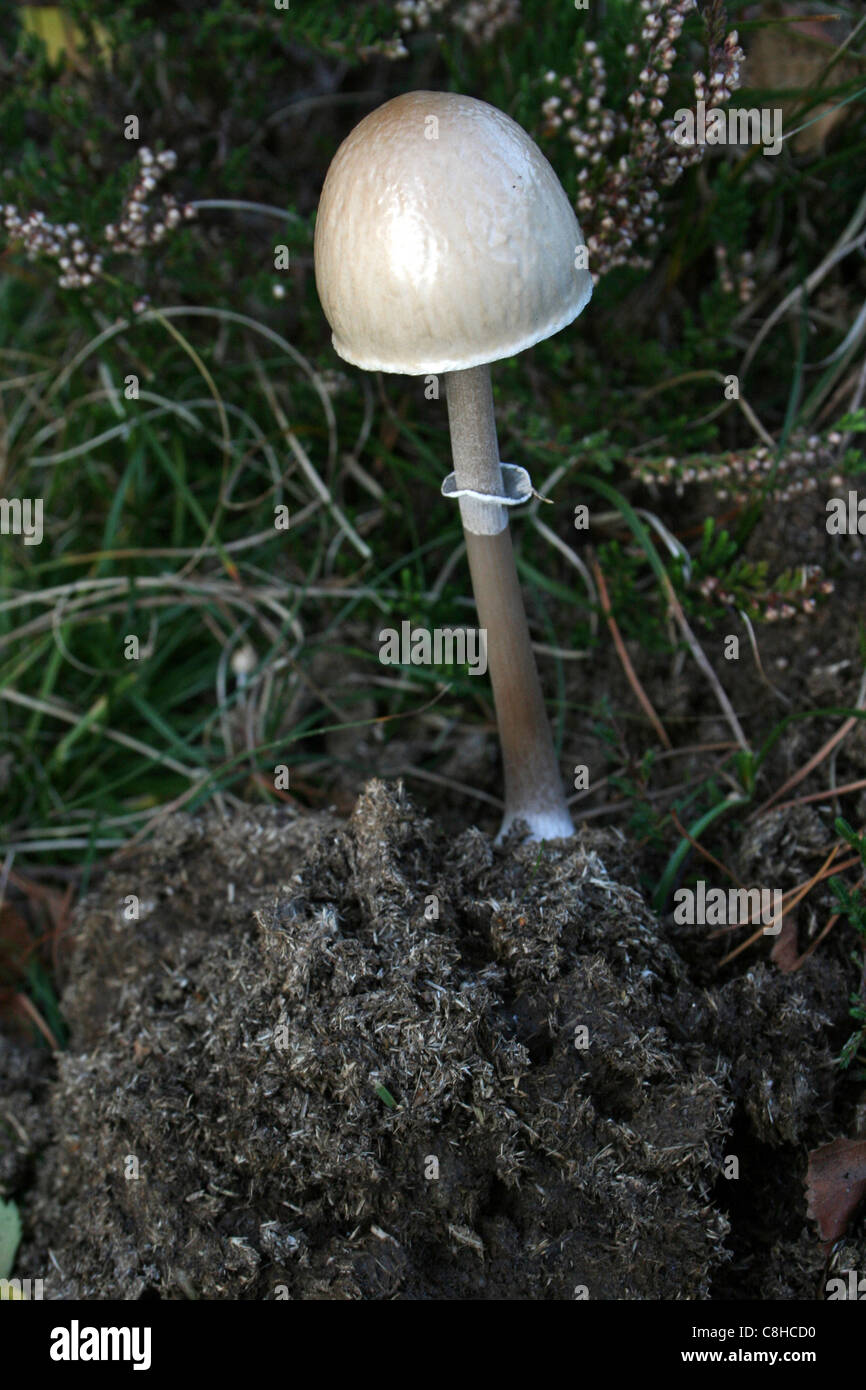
853	906
10	1235
385	1096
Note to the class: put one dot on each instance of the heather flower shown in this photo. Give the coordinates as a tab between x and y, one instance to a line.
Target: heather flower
614	200
139	224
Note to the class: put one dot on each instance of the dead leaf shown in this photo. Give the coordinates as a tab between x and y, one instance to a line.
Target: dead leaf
835	1185
785	953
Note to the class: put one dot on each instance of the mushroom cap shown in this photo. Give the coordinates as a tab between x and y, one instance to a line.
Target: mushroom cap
444	239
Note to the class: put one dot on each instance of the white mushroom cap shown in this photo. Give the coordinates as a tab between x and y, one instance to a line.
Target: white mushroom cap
444	240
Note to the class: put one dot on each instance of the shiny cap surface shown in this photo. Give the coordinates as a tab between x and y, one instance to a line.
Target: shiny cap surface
444	239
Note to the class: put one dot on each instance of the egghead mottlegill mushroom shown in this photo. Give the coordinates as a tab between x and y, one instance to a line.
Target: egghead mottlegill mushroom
444	242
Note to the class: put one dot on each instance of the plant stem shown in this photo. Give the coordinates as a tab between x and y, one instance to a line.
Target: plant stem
533	786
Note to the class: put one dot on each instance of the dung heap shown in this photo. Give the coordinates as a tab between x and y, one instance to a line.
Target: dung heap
364	1060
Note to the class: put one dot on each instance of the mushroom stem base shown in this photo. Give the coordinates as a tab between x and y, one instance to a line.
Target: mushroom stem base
533	786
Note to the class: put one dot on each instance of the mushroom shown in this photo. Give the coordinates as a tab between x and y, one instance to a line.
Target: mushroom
444	242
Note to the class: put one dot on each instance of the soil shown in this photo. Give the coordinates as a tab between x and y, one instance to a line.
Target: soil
370	1059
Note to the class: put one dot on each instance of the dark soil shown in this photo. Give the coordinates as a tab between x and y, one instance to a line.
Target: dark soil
366	1060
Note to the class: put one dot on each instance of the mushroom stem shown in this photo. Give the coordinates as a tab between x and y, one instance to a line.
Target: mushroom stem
533	786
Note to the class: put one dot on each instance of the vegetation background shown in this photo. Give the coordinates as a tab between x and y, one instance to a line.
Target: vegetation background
169	392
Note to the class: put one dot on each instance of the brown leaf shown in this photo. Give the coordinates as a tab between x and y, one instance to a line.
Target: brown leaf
16	944
785	953
835	1185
